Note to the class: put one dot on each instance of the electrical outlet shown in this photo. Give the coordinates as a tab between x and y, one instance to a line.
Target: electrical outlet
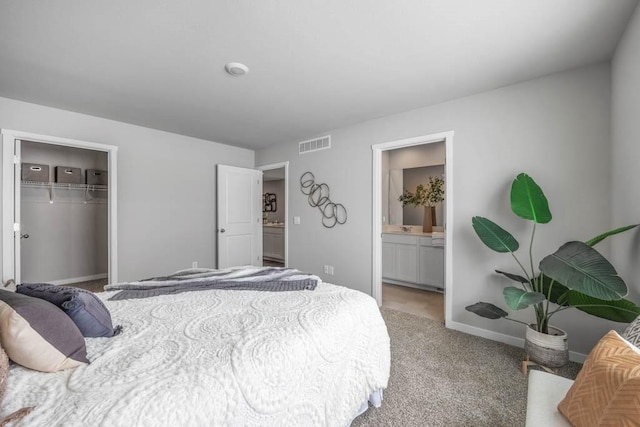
296	220
328	269
331	270
194	264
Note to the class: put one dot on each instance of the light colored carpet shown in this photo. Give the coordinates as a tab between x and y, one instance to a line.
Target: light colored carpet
91	285
441	377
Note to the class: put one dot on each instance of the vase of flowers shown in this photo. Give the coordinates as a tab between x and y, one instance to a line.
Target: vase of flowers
428	196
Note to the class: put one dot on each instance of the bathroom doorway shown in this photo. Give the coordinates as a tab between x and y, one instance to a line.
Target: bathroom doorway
275	196
411	264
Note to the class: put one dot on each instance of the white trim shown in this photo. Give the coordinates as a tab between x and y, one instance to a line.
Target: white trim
574	356
284	165
8	188
8	138
376	274
79	279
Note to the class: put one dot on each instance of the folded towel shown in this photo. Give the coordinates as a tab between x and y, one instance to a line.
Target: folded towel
437	238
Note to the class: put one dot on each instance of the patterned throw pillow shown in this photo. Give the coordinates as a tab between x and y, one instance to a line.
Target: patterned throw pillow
607	389
632	333
38	335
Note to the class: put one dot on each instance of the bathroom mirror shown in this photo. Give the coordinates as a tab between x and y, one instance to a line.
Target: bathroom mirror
407	168
411	178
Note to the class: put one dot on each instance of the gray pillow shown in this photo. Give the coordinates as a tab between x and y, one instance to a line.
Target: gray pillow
632	333
83	307
38	335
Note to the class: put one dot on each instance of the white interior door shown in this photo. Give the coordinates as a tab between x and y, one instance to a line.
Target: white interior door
239	229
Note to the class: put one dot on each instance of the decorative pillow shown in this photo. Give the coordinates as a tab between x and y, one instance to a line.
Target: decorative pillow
632	333
607	389
85	309
4	373
38	335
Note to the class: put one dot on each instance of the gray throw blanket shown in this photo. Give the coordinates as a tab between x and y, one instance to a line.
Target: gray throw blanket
271	279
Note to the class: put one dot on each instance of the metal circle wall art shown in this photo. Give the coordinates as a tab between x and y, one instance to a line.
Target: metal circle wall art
318	197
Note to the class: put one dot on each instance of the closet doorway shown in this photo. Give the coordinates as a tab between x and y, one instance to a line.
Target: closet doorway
62	197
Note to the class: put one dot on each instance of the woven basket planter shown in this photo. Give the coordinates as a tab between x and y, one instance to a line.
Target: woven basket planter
551	350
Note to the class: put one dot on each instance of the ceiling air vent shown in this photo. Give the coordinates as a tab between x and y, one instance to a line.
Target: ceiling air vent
311	145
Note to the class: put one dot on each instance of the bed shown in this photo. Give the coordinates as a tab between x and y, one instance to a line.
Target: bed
218	358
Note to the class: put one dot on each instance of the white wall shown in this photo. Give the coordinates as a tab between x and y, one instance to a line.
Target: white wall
166	185
555	128
417	156
67	238
625	194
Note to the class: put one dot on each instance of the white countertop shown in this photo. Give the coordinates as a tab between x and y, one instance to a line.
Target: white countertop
273	224
407	233
410	230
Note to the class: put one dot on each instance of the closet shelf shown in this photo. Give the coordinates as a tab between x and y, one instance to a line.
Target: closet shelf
60	185
65	193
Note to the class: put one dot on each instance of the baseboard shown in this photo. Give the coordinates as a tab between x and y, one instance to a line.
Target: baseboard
430	288
79	279
574	356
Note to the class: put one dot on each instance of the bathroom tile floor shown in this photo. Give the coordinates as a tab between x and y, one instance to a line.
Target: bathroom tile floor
414	301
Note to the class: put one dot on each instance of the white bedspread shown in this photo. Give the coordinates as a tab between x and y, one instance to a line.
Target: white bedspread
213	358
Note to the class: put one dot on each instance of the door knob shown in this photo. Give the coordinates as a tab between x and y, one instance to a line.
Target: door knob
222	230
24	236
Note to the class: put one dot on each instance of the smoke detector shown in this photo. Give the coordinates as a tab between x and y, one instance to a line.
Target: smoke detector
236	69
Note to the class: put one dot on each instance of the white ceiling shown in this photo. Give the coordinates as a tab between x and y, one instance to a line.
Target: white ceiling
315	65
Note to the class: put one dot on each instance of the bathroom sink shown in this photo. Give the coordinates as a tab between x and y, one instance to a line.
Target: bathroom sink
406	229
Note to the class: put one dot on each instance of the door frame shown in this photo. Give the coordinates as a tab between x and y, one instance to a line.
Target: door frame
8	196
284	165
376	229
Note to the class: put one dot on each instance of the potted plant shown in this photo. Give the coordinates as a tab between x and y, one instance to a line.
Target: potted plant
576	275
427	196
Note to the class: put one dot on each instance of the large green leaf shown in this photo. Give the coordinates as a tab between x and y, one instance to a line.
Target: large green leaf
580	267
514	277
517	299
621	310
559	292
494	236
528	201
485	309
599	238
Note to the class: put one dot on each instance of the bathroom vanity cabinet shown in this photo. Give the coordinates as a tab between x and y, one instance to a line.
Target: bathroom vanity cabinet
410	259
273	242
